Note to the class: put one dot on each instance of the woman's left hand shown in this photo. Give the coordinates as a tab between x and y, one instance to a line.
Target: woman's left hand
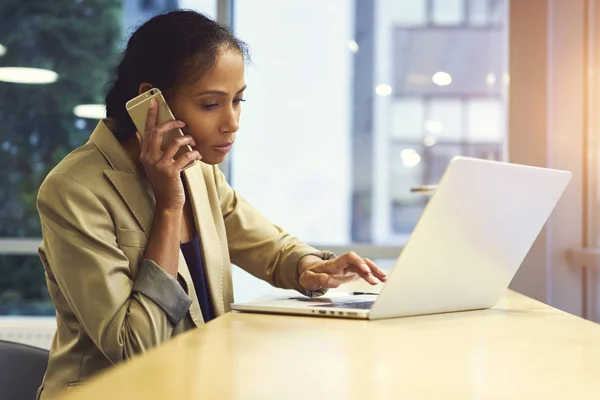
318	274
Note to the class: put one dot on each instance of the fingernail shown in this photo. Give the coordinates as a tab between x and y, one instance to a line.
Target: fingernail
181	122
153	102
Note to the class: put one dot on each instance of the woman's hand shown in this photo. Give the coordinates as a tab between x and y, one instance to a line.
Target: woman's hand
318	274
164	172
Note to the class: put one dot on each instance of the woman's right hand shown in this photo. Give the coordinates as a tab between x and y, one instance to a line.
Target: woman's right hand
164	172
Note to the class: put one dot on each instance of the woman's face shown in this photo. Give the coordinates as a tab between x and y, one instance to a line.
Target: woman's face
211	106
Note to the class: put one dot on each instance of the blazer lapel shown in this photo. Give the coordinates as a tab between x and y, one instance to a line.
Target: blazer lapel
211	246
133	192
195	311
125	177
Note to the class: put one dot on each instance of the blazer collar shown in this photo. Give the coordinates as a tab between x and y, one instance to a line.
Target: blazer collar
113	151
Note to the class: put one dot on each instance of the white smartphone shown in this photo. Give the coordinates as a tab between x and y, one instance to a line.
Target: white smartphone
138	111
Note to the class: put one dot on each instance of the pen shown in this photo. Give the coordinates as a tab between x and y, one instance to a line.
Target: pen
427	189
359	293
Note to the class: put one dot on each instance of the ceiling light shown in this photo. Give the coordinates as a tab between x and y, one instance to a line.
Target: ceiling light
92	111
410	158
383	90
429	141
490	79
353	46
27	75
2	50
441	78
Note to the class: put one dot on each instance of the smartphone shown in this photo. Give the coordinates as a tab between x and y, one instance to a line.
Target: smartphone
138	111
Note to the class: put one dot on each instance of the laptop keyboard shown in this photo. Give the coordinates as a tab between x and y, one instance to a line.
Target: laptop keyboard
363	305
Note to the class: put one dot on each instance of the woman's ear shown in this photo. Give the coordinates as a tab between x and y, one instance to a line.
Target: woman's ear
144	87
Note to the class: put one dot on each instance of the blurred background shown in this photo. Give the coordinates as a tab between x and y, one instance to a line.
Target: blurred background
351	103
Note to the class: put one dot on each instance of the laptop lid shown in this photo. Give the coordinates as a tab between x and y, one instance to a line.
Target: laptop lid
471	238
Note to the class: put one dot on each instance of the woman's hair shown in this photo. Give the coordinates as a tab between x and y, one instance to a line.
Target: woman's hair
167	51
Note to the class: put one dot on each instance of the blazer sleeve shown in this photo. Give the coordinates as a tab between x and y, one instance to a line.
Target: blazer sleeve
122	314
260	247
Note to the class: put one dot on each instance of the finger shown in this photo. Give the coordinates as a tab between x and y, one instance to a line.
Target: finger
378	272
330	282
184	159
151	117
367	276
170	125
346	260
159	132
349	277
175	145
150	129
318	280
365	270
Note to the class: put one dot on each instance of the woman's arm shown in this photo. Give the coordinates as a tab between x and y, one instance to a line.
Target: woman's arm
261	248
122	314
163	244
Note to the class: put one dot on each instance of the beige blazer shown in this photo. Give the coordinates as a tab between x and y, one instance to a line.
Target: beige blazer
96	214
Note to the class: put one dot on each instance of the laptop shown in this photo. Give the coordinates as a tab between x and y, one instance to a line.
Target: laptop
473	235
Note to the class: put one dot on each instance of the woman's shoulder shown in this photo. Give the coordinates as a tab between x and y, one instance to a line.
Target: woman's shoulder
81	162
84	165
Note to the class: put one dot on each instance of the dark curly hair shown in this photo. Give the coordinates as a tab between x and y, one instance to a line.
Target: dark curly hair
167	51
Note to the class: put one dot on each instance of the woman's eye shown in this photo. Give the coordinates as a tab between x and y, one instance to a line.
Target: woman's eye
212	106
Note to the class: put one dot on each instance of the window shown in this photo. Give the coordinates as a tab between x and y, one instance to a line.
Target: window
408	13
355	102
448	12
486	122
408	116
445	118
350	104
478	12
294	131
147	5
39	122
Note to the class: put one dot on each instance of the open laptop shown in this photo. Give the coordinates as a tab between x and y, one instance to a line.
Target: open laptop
467	246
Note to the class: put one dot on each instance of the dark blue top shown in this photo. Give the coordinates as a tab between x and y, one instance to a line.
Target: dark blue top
193	257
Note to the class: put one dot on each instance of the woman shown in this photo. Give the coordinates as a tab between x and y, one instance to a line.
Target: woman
136	250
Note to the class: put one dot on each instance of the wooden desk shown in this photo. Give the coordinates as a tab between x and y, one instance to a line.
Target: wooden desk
521	349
